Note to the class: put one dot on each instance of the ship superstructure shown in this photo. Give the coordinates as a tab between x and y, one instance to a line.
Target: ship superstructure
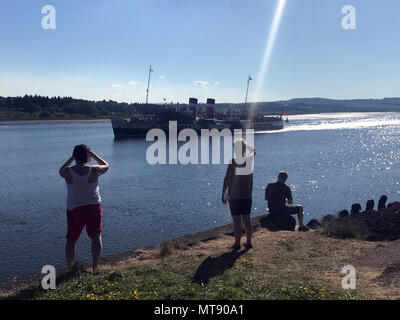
189	119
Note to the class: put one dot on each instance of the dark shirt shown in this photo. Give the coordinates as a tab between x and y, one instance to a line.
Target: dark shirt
277	193
239	186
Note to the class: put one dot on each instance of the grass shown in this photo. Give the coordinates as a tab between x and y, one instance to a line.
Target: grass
281	265
160	283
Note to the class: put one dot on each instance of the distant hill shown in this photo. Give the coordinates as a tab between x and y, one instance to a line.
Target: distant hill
40	107
321	105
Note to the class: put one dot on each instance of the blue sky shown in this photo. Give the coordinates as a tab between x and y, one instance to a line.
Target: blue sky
102	49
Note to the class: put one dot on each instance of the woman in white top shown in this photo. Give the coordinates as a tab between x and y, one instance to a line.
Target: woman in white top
83	201
238	189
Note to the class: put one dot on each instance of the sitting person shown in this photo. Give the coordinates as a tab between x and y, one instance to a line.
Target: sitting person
277	194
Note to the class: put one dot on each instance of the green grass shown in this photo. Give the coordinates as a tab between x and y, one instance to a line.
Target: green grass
284	266
244	281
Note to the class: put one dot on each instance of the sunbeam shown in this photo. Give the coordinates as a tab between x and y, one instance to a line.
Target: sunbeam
268	52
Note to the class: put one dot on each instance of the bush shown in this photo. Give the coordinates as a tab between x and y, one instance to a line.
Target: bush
166	248
344	228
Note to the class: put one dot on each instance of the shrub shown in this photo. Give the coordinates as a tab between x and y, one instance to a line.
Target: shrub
166	248
344	228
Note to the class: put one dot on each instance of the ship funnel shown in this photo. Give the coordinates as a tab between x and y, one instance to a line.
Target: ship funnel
193	106
210	108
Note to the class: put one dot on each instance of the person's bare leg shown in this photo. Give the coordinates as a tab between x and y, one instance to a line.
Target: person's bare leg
96	250
247	227
70	248
300	216
237	229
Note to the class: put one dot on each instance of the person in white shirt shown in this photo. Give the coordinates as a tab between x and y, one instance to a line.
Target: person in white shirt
83	201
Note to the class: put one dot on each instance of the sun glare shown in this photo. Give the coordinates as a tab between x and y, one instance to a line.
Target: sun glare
268	52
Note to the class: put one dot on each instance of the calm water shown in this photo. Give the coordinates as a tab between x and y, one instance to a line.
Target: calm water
332	160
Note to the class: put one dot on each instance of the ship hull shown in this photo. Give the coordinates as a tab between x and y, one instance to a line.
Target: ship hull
123	128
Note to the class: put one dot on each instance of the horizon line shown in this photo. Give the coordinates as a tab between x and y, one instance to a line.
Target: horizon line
270	101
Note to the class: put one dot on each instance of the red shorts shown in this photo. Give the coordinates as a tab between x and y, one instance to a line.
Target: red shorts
77	218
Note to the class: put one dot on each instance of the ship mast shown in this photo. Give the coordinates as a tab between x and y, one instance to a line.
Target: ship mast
247	91
148	85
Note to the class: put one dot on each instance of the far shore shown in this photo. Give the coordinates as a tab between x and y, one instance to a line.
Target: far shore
96	120
22	122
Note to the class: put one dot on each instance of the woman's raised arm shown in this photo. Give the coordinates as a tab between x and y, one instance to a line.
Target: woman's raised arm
102	166
65	165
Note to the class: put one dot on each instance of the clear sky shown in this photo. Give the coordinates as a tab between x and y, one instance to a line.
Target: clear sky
102	49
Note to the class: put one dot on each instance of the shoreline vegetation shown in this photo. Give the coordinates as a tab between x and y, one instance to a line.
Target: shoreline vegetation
281	265
41	108
22	122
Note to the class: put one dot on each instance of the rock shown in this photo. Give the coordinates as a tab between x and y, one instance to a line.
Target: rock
382	202
278	223
383	225
395	204
355	209
343	214
328	218
313	224
370	205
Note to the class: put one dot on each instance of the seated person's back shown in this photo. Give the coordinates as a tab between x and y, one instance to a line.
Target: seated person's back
277	193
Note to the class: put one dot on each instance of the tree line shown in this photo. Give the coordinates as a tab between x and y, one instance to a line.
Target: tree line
50	107
35	106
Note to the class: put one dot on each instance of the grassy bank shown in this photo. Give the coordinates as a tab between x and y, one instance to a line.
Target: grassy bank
282	265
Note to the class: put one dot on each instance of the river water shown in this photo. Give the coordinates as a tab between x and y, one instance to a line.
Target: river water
333	160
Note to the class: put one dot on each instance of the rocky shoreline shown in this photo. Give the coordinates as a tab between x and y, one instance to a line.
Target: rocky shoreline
369	225
382	224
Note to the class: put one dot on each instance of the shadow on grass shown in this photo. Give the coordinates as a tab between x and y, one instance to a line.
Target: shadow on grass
211	267
36	287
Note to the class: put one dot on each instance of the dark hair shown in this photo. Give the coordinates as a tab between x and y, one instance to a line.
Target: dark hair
81	153
283	175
